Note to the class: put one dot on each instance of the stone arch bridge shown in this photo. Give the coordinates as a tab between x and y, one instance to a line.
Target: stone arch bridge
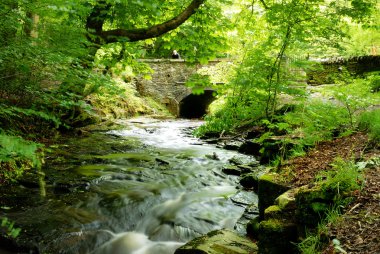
167	86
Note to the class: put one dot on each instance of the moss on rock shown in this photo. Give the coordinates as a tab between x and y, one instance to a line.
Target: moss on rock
250	180
276	236
287	200
312	203
273	212
270	187
219	241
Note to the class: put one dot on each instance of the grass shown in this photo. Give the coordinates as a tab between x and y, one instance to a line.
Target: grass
316	240
370	122
344	177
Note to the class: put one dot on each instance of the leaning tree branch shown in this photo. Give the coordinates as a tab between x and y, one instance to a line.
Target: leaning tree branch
151	32
265	5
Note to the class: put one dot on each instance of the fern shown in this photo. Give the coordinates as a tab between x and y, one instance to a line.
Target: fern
8	229
8	112
17	155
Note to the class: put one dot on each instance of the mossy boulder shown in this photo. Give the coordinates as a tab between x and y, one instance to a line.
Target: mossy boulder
273	212
270	186
219	241
253	228
251	147
287	200
312	203
233	145
250	180
83	118
277	236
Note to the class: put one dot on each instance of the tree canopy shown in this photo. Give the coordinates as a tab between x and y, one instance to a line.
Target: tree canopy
66	46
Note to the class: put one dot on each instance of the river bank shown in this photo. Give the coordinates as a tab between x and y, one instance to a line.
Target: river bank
354	231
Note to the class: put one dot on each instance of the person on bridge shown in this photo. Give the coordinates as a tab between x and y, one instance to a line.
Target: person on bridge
175	55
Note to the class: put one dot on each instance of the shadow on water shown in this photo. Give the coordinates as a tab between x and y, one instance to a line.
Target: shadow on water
147	188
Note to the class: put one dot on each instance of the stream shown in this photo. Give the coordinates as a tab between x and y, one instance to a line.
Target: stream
148	187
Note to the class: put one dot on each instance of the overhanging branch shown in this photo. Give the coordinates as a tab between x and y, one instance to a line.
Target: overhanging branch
151	32
264	4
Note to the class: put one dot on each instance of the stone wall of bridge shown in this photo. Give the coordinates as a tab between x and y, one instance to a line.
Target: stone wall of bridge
167	85
328	72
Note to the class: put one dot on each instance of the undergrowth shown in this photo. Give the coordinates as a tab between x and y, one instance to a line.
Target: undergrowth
8	229
316	240
344	178
370	122
16	156
337	111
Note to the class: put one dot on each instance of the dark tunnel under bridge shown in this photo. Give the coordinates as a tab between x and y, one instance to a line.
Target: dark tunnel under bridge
196	106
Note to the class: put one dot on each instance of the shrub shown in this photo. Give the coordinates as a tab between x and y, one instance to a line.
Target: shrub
345	176
316	121
375	83
315	241
370	122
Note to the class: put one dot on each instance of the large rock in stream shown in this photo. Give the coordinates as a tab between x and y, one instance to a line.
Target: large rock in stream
217	242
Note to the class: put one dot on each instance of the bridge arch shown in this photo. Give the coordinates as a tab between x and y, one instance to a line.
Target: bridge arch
196	105
167	86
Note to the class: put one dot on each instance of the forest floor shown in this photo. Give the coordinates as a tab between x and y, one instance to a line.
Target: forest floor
358	229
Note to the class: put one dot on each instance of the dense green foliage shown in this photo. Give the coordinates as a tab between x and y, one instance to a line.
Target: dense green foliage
65	64
344	177
314	242
267	87
17	155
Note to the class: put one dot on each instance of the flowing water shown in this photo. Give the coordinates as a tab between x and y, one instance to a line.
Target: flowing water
146	188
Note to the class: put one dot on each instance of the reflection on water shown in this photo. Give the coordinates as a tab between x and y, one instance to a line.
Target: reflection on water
149	197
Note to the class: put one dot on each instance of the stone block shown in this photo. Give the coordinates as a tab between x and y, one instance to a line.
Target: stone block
250	180
273	212
270	187
277	237
287	200
217	242
312	204
253	228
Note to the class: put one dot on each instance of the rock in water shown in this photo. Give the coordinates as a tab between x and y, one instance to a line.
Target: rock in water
219	241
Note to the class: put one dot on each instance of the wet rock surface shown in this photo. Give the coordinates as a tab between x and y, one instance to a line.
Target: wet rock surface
220	241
